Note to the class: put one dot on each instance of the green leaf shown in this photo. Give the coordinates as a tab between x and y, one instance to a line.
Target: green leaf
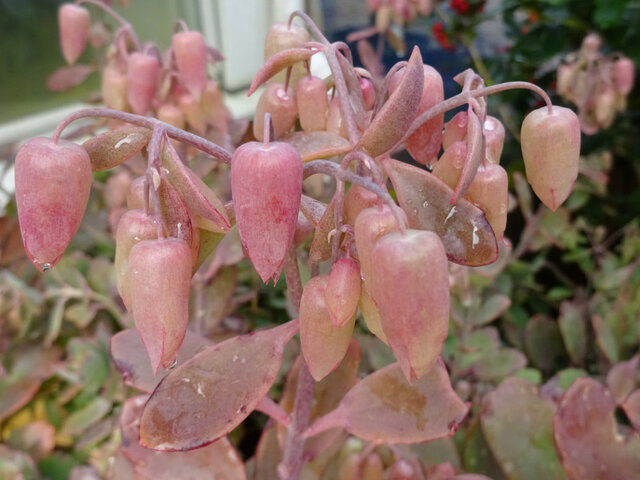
608	13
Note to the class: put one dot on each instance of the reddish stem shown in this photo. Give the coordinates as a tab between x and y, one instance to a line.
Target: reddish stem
293	459
332	169
332	52
107	9
153	166
465	97
275	411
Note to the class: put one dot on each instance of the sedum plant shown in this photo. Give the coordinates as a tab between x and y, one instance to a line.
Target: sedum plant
386	241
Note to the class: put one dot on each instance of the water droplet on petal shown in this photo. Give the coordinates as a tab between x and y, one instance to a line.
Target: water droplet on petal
173	365
46	266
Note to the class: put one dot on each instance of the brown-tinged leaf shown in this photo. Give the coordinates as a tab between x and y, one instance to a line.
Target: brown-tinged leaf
589	440
385	408
197	195
130	358
543	343
320	249
217	298
312	209
209	241
573	328
476	454
355	92
398	112
517	424
14	394
438	451
68	77
116	146
491	309
278	62
219	460
605	338
31	367
622	379
631	407
268	454
314	145
463	228
213	392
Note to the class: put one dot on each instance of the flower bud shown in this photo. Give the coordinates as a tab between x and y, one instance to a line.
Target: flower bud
343	291
424	143
312	103
410	283
53	182
623	75
73	21
551	149
142	81
266	186
190	52
281	105
160	275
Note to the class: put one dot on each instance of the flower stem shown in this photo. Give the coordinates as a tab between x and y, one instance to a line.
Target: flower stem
463	98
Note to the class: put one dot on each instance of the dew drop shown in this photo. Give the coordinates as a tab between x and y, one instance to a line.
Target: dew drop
173	365
46	266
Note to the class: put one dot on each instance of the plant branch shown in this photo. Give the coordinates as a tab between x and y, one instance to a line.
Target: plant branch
200	143
465	97
292	462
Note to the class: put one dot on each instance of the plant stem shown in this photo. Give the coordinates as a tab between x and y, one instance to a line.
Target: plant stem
200	143
107	9
293	459
329	168
331	52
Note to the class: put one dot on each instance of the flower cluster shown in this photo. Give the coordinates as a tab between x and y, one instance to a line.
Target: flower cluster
596	83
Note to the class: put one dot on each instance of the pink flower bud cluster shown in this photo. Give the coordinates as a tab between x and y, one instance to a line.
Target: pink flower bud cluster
597	84
174	86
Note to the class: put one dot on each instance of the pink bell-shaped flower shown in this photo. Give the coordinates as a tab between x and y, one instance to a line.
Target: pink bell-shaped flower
160	278
551	149
73	21
142	81
266	186
410	284
53	182
190	52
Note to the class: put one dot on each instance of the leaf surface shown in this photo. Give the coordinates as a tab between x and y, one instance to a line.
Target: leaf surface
219	460
315	145
463	228
211	394
115	146
588	437
129	356
385	408
517	424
